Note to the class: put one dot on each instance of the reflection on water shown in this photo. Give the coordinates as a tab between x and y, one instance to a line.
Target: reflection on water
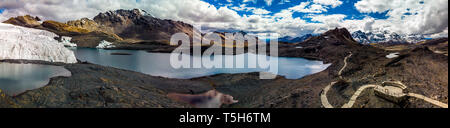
158	64
18	78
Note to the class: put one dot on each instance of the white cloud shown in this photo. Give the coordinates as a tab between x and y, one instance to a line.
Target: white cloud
254	10
328	18
409	16
332	3
307	7
260	11
188	10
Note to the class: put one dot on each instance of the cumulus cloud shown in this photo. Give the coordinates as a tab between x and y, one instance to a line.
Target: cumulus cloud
409	16
328	18
260	11
63	10
254	10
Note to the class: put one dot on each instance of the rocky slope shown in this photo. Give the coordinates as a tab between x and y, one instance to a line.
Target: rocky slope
439	46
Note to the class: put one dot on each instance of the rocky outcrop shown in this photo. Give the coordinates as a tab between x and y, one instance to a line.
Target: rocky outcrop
89	25
63	29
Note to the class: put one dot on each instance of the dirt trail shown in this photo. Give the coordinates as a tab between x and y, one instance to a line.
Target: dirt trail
429	100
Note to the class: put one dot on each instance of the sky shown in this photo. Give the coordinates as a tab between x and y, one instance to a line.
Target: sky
259	17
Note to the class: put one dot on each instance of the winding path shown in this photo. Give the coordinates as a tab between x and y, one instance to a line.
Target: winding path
345	65
351	102
429	100
356	95
323	96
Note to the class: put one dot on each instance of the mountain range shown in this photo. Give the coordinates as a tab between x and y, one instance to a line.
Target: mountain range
367	38
290	39
386	37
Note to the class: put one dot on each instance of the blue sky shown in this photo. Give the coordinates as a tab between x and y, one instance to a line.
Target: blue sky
347	8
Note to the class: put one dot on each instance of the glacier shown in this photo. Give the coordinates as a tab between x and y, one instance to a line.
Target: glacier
32	44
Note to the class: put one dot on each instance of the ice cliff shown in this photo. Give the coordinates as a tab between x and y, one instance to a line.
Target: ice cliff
32	44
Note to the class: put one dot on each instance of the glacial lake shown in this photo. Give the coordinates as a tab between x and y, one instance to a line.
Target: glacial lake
18	78
158	64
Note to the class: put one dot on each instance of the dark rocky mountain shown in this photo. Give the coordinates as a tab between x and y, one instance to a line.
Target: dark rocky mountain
330	46
137	26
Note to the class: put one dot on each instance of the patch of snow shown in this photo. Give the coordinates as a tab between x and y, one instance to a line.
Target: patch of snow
393	55
32	44
66	41
105	44
299	47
